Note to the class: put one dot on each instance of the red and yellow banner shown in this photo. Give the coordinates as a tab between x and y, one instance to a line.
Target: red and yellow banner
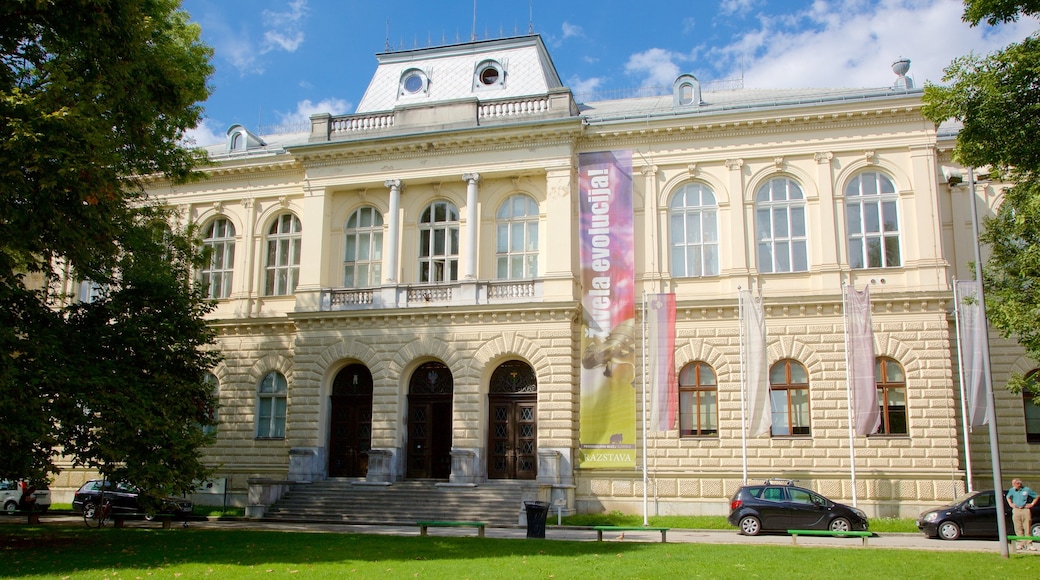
607	418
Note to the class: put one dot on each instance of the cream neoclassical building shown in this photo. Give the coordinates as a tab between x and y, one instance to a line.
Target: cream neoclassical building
400	290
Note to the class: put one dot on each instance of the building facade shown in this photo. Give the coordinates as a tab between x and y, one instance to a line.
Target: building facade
399	289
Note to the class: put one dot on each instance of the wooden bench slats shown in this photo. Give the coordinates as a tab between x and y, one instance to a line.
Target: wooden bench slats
423	526
849	534
601	529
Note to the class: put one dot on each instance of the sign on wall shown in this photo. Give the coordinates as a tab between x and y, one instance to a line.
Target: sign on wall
607	418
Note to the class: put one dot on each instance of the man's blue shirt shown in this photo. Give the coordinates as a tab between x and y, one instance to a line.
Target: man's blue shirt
1020	497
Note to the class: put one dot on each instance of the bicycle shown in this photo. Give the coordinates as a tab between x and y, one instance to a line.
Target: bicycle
96	516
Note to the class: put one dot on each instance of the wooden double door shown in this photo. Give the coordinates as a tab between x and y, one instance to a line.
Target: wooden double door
350	422
429	422
512	436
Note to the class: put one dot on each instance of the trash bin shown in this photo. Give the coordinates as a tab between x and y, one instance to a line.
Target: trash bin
536	513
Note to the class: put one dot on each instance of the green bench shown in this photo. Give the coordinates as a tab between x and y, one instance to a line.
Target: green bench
601	529
423	526
119	519
836	534
1013	539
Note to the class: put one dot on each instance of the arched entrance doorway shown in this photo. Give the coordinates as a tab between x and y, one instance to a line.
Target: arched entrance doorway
350	422
429	421
513	427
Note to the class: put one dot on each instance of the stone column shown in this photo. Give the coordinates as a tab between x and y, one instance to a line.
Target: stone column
391	251
469	262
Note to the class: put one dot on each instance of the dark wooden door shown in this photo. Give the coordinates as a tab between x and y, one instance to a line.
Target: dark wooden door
350	435
429	436
512	437
350	422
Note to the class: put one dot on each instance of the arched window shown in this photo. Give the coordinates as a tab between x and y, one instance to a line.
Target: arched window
1032	411
439	243
698	401
271	408
214	384
513	377
873	221
694	231
780	229
789	398
516	238
891	394
219	237
363	254
283	256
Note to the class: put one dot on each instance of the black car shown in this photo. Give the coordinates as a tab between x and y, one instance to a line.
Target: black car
127	499
973	516
778	506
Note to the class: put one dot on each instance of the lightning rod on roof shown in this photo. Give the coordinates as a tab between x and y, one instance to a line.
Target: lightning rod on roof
387	49
530	21
474	37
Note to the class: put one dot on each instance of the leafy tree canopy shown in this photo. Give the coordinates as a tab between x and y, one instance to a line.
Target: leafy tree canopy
95	95
997	100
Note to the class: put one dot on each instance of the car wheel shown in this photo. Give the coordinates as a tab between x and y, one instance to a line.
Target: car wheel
949	531
1035	530
750	526
10	507
841	525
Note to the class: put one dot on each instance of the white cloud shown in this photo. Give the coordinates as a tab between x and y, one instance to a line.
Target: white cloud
570	30
584	86
206	133
656	66
306	108
852	43
284	29
736	7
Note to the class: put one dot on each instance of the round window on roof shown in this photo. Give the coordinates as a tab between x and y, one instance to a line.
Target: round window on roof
490	75
413	82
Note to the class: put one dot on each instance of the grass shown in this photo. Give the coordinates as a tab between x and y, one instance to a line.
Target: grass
75	552
889	525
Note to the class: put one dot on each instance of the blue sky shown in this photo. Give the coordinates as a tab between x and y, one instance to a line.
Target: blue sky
279	61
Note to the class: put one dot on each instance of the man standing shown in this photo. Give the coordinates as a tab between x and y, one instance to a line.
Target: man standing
1021	499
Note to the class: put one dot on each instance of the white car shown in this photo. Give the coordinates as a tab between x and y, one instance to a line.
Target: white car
11	493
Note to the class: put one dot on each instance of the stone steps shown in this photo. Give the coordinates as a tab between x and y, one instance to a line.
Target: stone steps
349	500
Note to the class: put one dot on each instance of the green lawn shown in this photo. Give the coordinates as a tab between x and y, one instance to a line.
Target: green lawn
75	552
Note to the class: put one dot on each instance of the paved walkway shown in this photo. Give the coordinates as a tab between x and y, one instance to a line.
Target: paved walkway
675	536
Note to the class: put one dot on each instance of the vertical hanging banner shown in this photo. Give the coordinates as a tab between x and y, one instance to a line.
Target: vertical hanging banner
971	331
607	419
660	361
860	374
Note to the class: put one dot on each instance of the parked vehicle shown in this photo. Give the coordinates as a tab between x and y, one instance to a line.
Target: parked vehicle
127	499
11	493
778	506
973	516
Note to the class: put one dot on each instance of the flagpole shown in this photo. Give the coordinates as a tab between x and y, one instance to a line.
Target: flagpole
646	480
994	448
743	384
848	390
964	395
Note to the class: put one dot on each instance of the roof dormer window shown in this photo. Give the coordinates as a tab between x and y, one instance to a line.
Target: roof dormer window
490	74
414	82
241	140
686	91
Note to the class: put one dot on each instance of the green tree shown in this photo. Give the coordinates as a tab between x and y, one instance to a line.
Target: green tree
997	100
95	95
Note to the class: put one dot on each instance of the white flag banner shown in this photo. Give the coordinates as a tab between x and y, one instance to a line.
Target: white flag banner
756	364
972	333
861	380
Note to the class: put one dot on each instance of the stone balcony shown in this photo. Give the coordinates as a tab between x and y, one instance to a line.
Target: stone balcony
466	293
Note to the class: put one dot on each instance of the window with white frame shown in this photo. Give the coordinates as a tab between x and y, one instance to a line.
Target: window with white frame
516	244
284	239
780	228
363	254
694	231
439	243
873	221
219	238
271	408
